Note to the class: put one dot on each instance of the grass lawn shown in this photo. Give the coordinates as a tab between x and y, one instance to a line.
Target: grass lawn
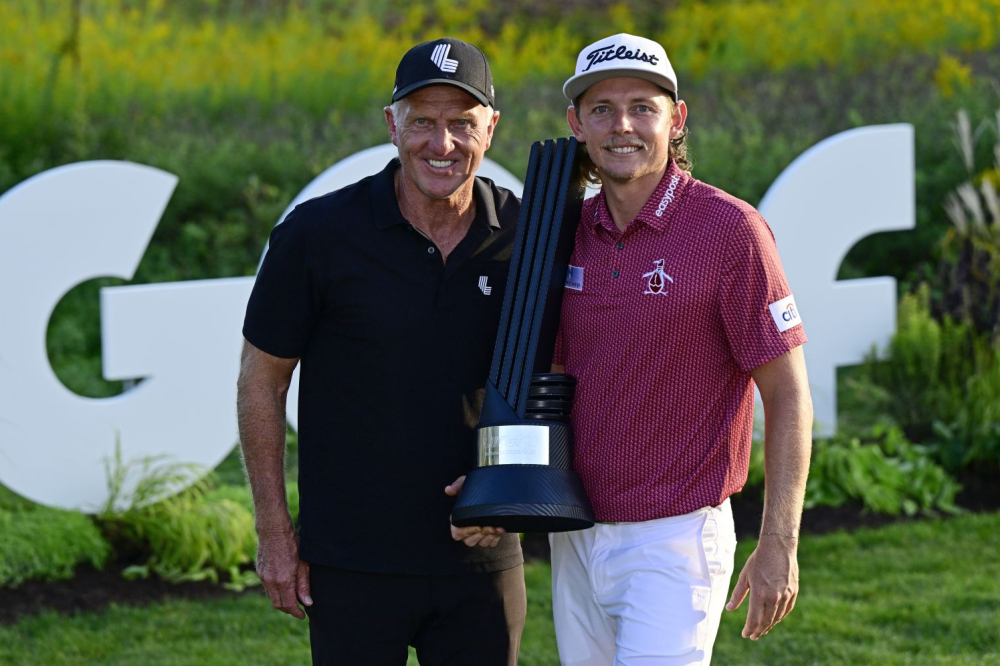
917	593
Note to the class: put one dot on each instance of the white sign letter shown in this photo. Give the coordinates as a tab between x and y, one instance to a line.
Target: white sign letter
841	190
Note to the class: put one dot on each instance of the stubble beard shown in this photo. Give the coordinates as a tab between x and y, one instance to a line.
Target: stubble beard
622	176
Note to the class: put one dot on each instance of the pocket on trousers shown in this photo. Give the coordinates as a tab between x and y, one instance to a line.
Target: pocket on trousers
718	541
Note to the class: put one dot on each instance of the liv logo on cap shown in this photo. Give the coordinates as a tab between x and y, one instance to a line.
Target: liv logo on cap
440	58
621	55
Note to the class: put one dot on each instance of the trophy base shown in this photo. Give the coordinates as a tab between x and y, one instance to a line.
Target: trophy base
523	498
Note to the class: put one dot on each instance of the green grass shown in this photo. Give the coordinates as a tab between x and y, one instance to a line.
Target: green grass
912	593
237	630
925	592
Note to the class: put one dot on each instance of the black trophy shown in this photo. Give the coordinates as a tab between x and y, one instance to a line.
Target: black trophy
524	479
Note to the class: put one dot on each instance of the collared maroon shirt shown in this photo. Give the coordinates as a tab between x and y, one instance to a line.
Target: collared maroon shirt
661	325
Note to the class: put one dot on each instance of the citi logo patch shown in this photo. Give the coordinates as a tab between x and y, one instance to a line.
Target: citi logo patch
574	278
668	196
657	279
785	314
440	58
483	287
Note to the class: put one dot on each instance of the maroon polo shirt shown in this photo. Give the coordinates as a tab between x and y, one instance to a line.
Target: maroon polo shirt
661	325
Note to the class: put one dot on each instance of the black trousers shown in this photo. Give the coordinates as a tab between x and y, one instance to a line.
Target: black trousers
370	618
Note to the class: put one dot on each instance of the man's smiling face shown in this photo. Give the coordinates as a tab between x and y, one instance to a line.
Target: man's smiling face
627	124
442	135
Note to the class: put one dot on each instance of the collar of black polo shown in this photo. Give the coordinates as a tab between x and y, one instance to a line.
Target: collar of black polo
386	208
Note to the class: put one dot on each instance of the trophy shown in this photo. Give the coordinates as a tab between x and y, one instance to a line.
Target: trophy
524	479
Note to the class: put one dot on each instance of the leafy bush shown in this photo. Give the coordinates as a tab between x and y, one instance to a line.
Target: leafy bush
41	543
941	382
886	473
882	470
202	533
191	535
969	271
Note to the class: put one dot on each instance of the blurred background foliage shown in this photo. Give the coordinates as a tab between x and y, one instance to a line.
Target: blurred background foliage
248	100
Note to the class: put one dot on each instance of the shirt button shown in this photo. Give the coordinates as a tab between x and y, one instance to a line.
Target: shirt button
614	274
430	250
620	245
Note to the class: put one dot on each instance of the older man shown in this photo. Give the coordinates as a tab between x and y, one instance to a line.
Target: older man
376	290
675	306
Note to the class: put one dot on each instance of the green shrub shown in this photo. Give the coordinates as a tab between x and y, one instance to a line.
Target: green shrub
200	533
969	272
190	535
885	472
941	382
41	543
882	470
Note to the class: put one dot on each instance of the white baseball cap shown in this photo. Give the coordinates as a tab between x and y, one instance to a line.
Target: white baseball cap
621	55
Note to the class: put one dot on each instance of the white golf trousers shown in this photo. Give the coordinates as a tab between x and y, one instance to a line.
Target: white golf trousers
648	593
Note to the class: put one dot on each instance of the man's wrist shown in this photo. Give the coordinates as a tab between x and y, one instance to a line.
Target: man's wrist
270	529
792	535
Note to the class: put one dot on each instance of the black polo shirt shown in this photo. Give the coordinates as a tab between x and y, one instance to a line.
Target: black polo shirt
395	350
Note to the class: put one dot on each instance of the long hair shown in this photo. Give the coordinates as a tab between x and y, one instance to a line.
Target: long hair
587	170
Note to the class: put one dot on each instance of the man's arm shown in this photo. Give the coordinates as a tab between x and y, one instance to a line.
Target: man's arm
261	392
771	574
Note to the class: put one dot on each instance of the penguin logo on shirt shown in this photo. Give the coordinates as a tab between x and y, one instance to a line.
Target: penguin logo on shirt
657	279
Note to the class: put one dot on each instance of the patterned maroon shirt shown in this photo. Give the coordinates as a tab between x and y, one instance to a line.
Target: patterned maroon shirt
661	325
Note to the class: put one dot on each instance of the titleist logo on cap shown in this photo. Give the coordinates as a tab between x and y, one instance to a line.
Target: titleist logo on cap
621	55
606	53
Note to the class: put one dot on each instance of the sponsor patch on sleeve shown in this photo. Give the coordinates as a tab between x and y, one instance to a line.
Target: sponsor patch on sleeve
574	278
785	314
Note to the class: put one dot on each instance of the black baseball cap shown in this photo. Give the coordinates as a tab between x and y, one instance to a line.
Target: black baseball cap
445	61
